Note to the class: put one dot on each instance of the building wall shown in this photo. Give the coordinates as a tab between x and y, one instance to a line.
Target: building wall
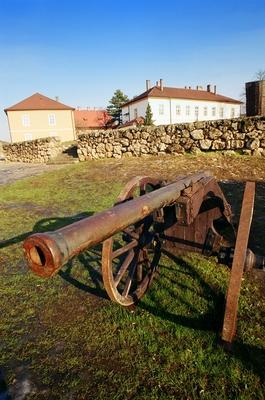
35	124
173	111
134	110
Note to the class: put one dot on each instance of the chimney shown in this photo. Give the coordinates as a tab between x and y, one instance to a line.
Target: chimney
156	83
56	98
209	88
198	87
161	85
214	89
189	87
148	84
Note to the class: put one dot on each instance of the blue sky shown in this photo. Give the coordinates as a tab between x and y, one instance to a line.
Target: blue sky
82	51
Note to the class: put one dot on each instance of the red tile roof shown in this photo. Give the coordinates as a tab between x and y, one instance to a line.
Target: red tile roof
91	118
38	102
179	93
136	121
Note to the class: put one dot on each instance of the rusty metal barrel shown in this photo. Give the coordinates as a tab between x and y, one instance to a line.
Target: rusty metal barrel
47	252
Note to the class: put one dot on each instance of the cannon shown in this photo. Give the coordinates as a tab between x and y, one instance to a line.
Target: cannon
189	214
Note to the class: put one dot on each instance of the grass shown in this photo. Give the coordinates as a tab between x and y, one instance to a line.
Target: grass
61	338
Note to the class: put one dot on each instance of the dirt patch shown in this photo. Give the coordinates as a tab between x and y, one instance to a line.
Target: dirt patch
30	207
169	167
11	172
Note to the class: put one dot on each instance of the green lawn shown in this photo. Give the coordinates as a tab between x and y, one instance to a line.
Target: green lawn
61	338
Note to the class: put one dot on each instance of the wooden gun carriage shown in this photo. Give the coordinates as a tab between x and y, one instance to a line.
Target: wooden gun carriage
189	214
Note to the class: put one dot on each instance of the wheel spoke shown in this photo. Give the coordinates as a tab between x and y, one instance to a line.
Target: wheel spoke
129	279
123	268
146	258
139	271
124	249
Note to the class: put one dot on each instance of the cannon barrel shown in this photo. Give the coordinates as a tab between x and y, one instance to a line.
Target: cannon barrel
47	252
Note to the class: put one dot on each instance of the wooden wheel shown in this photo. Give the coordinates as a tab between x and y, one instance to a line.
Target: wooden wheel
129	260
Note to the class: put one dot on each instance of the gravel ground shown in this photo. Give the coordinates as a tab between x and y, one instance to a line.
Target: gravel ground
11	172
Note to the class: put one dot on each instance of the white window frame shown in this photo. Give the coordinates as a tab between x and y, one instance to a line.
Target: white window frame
205	111
135	113
161	109
187	110
196	111
51	119
28	136
232	112
214	111
25	120
221	112
178	109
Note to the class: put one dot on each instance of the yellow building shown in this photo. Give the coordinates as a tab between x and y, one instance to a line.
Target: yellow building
39	116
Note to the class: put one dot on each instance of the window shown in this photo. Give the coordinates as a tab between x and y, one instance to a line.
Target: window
161	109
178	110
135	113
187	110
25	120
213	111
28	136
232	113
221	112
196	111
51	118
205	111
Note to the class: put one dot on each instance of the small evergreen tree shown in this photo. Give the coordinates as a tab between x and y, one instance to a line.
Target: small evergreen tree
115	103
148	120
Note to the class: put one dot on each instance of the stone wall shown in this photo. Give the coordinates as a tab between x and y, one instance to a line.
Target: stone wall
2	156
242	134
33	151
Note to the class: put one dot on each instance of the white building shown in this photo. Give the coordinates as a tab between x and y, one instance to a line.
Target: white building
174	105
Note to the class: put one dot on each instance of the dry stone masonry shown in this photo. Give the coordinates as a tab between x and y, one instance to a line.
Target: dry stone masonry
244	134
33	151
2	156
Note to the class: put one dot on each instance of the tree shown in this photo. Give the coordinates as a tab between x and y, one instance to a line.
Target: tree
115	103
148	120
260	75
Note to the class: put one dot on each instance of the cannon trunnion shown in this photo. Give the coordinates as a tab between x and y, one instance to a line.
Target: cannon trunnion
189	214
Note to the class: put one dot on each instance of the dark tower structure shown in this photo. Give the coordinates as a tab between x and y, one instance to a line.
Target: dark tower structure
255	98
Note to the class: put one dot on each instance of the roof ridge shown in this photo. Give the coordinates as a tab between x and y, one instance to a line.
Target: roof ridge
38	101
182	93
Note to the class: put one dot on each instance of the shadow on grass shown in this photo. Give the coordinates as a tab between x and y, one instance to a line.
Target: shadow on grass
3	388
90	259
91	262
44	225
211	321
252	357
